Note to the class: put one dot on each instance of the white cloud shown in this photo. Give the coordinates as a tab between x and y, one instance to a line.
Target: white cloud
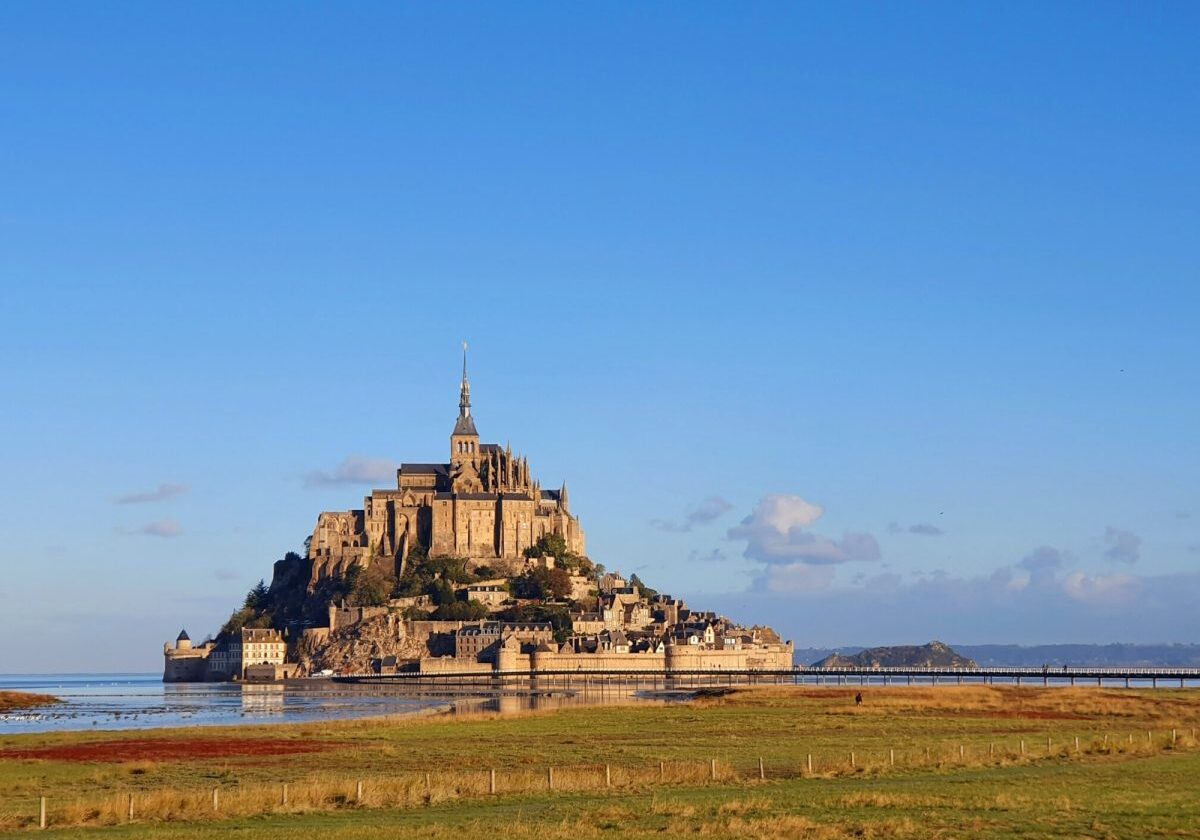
1002	606
354	469
784	512
159	494
774	533
700	513
1117	588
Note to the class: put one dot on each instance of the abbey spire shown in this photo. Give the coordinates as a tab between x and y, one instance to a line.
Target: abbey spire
465	425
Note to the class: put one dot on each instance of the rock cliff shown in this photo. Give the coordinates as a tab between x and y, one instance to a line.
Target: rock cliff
354	649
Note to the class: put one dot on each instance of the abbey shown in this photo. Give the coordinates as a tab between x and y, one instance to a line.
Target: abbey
483	504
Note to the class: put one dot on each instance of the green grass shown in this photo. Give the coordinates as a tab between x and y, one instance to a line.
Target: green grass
1118	790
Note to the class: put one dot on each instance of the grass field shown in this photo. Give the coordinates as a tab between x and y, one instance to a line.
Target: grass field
949	762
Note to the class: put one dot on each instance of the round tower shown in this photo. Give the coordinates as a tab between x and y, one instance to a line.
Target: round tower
183	641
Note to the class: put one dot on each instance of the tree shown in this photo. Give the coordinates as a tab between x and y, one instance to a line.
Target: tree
560	584
555	545
541	584
369	587
236	622
258	597
460	611
646	592
442	592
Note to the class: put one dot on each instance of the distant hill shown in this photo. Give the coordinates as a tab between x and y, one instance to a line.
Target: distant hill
934	655
1034	656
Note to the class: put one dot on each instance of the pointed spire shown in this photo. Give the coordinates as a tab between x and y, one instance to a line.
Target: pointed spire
465	425
464	398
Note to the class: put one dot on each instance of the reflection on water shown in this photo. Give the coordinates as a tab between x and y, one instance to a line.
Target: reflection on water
142	701
262	699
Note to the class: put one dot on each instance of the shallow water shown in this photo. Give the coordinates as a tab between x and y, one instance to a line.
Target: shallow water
143	701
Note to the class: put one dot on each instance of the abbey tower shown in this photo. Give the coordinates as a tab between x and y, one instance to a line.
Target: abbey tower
483	505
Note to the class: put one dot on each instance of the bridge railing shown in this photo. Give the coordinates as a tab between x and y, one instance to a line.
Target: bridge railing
1112	672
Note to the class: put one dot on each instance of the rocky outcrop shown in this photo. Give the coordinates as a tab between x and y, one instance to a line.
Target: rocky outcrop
933	655
355	649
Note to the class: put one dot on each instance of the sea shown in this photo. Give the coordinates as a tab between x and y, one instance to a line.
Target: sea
143	701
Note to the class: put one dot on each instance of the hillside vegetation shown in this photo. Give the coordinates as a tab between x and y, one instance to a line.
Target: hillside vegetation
933	655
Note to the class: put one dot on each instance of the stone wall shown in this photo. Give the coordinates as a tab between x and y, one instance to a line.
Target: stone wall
346	616
762	658
554	661
189	665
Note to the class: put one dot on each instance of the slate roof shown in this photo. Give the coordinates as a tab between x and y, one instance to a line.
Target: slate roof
465	426
424	469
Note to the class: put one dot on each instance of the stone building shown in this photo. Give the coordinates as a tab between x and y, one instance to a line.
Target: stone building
253	646
473	641
186	662
483	504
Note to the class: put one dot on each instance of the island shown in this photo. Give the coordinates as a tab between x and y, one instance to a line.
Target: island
464	565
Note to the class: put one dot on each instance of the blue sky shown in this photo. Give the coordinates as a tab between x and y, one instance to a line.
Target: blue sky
874	322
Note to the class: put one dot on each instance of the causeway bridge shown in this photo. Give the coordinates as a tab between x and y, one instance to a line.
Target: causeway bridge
800	675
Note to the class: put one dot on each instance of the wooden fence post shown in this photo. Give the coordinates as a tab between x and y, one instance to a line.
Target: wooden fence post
810	764
358	792
1022	746
713	769
42	813
1048	743
607	776
428	783
129	813
851	759
549	778
927	755
1172	735
662	771
492	780
962	752
991	749
762	771
892	756
1076	743
283	798
216	798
